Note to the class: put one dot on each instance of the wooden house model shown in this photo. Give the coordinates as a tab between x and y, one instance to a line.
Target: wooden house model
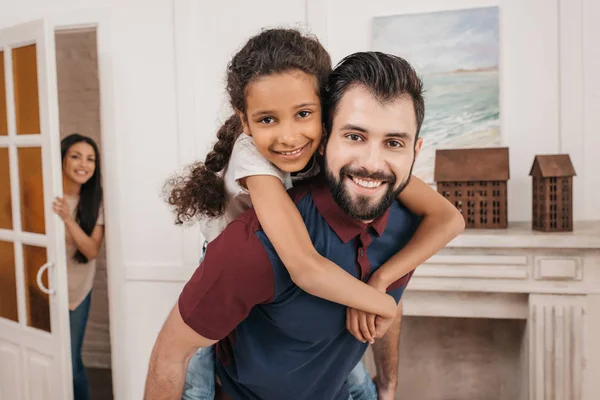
475	181
552	193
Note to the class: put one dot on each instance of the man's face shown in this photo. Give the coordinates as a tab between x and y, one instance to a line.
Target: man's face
370	152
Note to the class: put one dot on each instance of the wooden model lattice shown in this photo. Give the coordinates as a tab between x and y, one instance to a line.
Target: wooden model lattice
482	204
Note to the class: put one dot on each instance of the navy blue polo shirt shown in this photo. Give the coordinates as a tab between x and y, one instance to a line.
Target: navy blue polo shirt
275	340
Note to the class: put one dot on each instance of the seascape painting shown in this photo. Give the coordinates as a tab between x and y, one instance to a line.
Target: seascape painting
456	55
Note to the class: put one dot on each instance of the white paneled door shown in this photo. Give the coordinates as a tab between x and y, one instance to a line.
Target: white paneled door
35	358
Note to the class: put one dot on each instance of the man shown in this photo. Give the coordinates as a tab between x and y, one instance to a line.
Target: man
275	340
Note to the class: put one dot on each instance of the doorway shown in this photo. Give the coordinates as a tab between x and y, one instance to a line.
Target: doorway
79	112
34	319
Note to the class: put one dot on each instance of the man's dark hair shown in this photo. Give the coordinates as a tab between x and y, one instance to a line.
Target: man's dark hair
386	76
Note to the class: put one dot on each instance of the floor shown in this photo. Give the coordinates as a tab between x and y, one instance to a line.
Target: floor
100	381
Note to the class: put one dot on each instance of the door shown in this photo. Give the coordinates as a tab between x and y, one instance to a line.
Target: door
34	320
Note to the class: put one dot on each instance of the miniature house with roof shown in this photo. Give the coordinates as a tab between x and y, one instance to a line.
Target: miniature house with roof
552	193
475	181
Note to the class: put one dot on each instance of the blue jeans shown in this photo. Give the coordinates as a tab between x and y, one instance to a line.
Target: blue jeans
200	379
200	376
78	320
360	384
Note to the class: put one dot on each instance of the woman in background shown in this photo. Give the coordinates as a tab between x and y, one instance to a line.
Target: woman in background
81	211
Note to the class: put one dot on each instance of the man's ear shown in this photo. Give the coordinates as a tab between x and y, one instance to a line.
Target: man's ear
242	117
323	140
418	146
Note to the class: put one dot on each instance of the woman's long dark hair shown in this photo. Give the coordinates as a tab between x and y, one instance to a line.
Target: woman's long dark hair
90	196
201	192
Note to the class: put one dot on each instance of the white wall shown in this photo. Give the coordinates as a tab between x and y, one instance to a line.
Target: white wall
168	58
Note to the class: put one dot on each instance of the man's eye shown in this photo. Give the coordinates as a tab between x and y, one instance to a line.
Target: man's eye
267	120
395	144
354	137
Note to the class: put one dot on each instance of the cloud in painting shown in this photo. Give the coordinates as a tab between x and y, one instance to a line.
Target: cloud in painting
441	41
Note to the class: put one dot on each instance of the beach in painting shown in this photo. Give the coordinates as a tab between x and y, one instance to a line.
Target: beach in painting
462	111
456	55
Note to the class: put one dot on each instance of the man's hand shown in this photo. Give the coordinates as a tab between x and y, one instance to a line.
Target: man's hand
367	327
384	392
386	353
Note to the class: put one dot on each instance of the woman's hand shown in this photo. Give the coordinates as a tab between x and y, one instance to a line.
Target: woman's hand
61	207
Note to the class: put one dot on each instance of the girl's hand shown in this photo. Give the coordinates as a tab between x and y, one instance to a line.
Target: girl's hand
61	207
366	327
360	326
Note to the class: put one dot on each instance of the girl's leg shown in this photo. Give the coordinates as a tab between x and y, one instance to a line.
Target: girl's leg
200	377
78	320
360	384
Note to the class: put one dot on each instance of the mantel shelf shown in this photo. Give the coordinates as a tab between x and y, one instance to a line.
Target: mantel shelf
585	235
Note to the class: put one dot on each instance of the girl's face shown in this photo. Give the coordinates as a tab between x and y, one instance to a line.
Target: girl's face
283	116
79	163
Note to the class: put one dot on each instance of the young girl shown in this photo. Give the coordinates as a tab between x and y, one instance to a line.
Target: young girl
275	84
81	211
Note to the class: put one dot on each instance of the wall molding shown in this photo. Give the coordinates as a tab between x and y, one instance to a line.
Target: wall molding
466	305
472	259
185	44
473	271
556	359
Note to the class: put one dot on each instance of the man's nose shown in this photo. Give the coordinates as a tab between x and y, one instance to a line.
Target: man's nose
372	158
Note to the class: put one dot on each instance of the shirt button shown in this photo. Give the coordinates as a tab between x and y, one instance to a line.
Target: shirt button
361	252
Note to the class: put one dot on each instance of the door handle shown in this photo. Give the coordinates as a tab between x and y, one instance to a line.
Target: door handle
40	284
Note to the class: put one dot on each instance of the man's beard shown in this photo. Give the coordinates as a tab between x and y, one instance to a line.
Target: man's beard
361	207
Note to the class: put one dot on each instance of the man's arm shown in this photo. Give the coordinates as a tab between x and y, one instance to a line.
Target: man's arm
218	296
386	353
174	347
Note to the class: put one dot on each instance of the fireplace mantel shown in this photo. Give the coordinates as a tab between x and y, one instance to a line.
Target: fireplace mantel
585	235
551	280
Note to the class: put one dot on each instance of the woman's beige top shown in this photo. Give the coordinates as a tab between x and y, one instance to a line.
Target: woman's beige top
80	276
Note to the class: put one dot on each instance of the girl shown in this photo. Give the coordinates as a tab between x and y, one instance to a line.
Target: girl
275	83
81	211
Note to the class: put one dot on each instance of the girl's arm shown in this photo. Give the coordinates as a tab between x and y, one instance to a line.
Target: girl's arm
87	245
315	274
441	223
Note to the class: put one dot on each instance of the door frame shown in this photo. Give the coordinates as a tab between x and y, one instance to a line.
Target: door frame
100	19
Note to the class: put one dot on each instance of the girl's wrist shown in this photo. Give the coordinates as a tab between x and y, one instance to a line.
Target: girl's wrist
379	282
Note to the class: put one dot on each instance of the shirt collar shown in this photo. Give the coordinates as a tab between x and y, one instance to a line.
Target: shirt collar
342	224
